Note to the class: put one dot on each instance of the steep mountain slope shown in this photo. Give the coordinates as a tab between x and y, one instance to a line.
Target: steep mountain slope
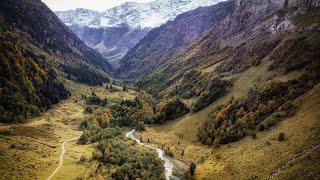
50	34
240	40
111	42
125	24
166	42
269	51
28	82
34	44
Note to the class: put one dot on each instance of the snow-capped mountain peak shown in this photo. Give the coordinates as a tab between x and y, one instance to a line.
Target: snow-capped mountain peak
135	15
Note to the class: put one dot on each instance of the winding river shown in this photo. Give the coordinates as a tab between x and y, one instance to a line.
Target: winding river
167	161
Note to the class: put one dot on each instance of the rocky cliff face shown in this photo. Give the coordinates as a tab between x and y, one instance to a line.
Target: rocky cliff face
163	44
112	42
248	12
278	4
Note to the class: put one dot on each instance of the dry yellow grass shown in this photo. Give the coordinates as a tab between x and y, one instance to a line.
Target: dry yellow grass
32	150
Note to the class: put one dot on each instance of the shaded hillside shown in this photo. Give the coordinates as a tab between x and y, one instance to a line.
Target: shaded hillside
166	42
50	34
34	45
28	81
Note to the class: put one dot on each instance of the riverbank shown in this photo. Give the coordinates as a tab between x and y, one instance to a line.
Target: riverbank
168	162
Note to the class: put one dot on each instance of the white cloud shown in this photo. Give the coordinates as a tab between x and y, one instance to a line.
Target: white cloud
99	5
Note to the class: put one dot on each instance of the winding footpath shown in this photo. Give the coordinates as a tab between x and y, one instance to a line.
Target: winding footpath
167	161
62	154
294	158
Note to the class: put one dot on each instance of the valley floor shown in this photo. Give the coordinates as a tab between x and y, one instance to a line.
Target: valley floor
32	150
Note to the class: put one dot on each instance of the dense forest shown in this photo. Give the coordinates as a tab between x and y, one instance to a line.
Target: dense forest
28	82
70	54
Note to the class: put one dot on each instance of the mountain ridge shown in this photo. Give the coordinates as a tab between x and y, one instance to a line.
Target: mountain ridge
135	15
115	31
167	41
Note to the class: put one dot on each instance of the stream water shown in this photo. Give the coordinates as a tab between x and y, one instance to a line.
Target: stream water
167	161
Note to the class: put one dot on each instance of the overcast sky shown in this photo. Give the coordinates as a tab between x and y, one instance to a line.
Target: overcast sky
99	5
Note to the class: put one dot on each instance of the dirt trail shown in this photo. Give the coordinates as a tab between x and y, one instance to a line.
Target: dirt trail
294	158
62	154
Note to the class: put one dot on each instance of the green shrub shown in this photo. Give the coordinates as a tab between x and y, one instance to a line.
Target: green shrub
128	161
261	127
95	100
217	88
192	168
281	137
89	109
130	113
169	110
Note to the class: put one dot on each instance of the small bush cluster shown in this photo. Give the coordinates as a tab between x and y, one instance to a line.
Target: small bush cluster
169	110
130	113
217	88
281	137
112	88
95	100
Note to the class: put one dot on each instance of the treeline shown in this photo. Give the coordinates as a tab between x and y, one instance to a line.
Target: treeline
84	73
296	53
205	87
239	118
28	82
